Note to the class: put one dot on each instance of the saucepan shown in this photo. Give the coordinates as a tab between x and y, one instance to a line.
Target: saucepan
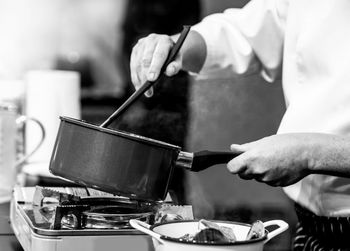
167	236
123	163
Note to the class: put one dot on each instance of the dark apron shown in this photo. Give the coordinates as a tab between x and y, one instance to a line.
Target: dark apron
316	233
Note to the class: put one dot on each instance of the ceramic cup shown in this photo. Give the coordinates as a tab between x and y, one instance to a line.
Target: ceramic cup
11	140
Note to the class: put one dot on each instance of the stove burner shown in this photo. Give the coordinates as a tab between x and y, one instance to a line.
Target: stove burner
62	210
114	210
106	217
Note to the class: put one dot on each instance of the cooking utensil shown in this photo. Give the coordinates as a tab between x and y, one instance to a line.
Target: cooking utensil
149	84
167	236
122	163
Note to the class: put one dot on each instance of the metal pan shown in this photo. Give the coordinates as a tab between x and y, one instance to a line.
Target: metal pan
122	163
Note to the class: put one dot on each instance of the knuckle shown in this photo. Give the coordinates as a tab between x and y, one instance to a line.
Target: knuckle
170	42
160	54
140	41
146	62
152	36
138	69
164	38
167	41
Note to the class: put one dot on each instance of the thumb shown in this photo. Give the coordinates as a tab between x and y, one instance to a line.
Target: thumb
173	68
236	165
238	148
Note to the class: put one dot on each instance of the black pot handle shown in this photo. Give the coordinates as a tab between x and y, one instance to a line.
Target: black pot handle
204	159
199	161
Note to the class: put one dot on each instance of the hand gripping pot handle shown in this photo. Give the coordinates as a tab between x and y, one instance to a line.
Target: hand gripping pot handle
282	226
145	228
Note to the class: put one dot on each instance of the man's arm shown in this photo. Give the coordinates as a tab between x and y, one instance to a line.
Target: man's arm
235	42
284	159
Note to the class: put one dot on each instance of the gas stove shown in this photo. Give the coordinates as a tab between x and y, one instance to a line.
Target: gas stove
70	219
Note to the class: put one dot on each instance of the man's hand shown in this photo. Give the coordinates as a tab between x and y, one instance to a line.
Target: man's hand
278	160
150	53
148	57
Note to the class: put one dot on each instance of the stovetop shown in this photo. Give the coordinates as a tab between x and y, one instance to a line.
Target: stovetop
79	211
34	220
84	211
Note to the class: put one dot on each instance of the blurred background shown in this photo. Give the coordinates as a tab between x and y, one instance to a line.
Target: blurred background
94	39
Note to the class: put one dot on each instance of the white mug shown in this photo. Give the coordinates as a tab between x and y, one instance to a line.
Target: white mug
49	94
10	165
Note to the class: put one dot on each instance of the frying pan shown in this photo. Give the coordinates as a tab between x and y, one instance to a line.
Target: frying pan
123	163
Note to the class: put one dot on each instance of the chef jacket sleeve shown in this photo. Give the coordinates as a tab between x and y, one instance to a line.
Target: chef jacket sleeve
244	41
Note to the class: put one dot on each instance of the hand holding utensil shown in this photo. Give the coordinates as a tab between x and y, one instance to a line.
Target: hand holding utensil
146	86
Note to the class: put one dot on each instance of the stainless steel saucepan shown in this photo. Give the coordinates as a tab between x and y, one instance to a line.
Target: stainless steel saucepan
122	163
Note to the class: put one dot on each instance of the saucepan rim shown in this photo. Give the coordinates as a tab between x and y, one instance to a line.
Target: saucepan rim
120	133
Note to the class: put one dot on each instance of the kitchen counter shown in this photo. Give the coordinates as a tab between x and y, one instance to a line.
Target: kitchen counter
8	241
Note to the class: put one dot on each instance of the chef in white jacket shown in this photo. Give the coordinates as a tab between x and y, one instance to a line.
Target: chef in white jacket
307	42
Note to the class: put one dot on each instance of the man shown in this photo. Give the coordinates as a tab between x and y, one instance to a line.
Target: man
308	42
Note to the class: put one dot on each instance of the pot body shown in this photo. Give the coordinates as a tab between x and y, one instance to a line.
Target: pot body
178	229
113	161
169	246
167	236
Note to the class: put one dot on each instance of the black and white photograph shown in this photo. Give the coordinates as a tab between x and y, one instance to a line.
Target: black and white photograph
194	125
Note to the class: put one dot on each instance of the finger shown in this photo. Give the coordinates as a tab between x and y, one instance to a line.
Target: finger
159	57
143	75
135	67
173	68
238	148
237	165
148	52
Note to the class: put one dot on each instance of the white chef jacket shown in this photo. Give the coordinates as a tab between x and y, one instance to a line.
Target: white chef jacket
308	41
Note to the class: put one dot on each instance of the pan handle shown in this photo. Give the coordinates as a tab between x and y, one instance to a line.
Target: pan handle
282	226
199	161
